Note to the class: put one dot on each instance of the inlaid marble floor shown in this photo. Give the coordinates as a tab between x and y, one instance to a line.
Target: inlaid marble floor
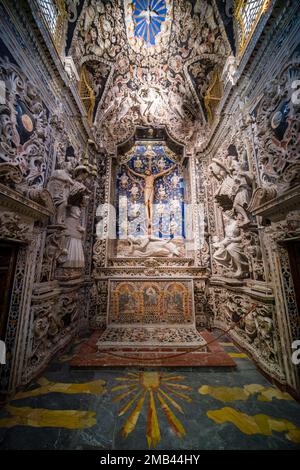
129	408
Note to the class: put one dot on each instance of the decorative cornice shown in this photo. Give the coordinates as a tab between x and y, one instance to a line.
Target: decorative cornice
153	271
13	200
276	209
257	290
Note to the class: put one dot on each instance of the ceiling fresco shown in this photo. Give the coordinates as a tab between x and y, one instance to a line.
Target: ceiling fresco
161	56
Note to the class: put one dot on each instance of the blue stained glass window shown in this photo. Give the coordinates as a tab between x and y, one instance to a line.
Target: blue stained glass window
148	16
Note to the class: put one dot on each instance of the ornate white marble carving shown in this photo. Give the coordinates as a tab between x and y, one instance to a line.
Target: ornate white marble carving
74	233
11	227
59	187
256	332
142	89
152	246
235	185
229	73
23	125
229	251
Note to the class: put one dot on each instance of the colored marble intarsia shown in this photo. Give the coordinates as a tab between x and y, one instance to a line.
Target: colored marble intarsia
95	387
150	406
145	302
257	424
165	389
228	394
152	336
40	417
43	417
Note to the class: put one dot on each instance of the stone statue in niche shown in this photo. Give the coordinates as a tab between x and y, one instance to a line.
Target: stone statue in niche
59	187
64	240
79	193
67	190
236	186
152	246
229	251
243	180
74	235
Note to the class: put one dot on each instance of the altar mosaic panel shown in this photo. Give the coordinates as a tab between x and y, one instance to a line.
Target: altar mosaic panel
151	302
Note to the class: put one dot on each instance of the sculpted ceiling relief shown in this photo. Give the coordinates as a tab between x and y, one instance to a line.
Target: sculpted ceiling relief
150	45
148	24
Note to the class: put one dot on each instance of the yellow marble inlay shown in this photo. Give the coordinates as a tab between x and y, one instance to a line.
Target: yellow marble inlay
41	417
227	394
238	355
224	394
148	389
95	387
150	380
256	424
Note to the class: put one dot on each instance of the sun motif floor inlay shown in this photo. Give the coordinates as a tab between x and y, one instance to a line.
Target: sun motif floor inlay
147	389
194	408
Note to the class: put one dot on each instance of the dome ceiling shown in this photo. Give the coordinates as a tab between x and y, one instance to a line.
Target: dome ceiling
150	62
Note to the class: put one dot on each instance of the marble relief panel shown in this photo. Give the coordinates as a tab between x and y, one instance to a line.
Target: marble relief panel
150	302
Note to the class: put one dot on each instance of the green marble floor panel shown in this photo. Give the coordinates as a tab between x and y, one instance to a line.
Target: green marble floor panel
130	408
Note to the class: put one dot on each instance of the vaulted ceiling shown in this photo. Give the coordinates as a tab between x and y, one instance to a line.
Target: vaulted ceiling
150	62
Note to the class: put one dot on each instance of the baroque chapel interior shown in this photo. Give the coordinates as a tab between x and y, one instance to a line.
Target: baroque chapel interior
149	224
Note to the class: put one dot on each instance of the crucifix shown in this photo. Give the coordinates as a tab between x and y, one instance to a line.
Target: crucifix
149	177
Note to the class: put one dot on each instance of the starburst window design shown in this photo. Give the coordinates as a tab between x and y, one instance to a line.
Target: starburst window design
148	16
248	13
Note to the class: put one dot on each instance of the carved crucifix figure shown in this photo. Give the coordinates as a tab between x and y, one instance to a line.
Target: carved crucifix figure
150	178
